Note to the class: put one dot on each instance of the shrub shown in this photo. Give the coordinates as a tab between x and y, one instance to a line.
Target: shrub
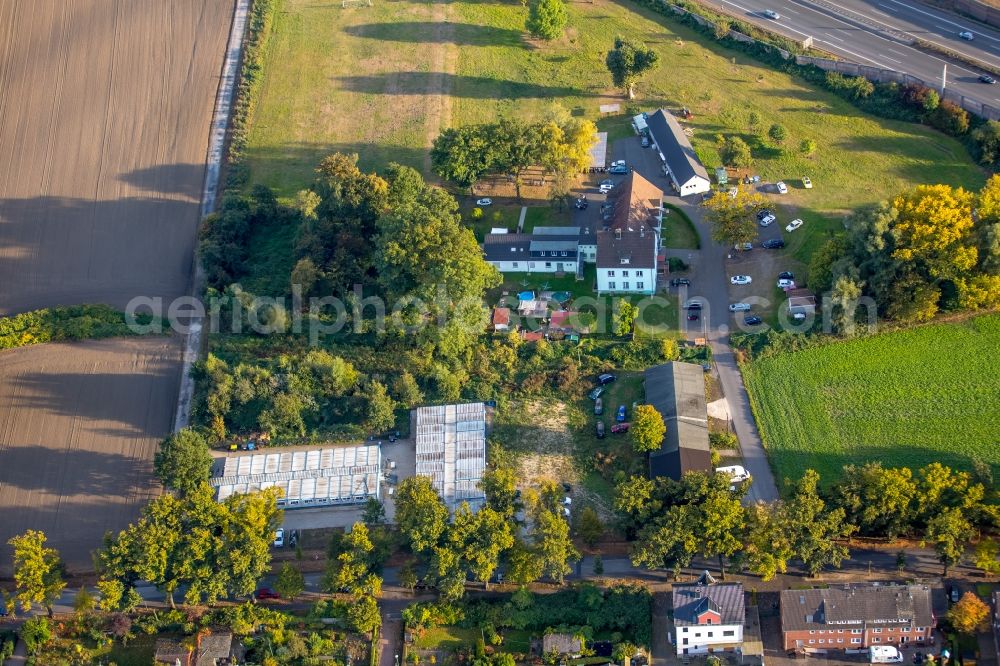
36	632
949	118
676	265
777	133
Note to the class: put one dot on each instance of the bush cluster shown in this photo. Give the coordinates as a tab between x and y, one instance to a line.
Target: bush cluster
78	322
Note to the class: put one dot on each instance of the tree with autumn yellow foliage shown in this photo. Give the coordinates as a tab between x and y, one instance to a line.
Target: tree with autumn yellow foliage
648	429
733	218
969	615
934	232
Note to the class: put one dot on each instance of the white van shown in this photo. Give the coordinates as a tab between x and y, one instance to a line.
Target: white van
737	473
885	654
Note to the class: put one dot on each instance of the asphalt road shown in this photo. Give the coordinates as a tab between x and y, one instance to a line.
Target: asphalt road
860	31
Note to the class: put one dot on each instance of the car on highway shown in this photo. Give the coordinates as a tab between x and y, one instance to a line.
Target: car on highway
782	188
966	35
806	183
739	307
793	225
766	220
279	538
677	282
752	320
605	378
484	202
786	275
986	78
773	244
620	416
600	430
786	284
619	428
740	279
771	14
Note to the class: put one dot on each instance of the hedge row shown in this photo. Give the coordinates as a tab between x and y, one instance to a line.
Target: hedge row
77	322
260	21
886	100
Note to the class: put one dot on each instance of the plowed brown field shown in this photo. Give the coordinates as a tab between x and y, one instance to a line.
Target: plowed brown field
105	108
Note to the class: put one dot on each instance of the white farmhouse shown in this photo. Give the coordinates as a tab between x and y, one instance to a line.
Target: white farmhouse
688	175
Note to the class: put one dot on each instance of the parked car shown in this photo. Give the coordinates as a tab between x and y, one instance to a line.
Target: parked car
782	188
293	538
737	473
484	202
773	244
618	163
693	317
618	170
986	78
786	284
596	393
598	407
766	220
581	203
752	320
605	378
954	594
677	282
771	14
693	305
793	225
279	538
761	214
806	183
786	275
966	35
608	182
645	142
743	247
266	593
740	279
739	307
606	188
600	430
620	415
619	428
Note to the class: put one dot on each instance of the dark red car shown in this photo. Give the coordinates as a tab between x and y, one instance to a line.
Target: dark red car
619	428
267	593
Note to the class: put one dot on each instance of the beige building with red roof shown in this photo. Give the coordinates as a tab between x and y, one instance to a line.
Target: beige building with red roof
627	248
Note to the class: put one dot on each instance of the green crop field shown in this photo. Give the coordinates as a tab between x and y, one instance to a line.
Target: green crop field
906	398
383	81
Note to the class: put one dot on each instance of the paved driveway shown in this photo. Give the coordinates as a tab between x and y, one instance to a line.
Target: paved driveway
712	285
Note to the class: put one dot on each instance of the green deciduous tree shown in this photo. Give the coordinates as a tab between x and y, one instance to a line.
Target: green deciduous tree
290	582
648	429
38	571
807	146
813	530
878	500
421	515
364	615
628	62
480	539
733	218
986	556
735	152
183	461
767	547
380	407
623	317
949	531
406	390
547	19
777	133
553	545
589	526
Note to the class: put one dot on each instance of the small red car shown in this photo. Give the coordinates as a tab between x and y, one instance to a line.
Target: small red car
267	593
619	428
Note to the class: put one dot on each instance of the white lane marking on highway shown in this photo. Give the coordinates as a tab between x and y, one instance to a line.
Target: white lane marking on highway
940	19
886	7
898	62
852	53
833	37
789	10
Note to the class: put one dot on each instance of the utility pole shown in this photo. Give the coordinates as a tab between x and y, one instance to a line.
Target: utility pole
944	79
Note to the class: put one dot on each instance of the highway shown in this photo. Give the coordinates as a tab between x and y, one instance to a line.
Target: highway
875	32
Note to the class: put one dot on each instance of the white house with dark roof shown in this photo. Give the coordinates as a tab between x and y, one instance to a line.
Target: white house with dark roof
680	162
544	250
708	616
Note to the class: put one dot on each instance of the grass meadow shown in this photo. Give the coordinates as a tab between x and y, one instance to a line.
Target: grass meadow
382	81
905	398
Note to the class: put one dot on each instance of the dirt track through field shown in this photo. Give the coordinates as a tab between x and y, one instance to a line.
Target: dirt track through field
105	107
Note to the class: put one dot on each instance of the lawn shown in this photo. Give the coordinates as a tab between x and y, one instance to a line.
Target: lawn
678	230
905	398
384	80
